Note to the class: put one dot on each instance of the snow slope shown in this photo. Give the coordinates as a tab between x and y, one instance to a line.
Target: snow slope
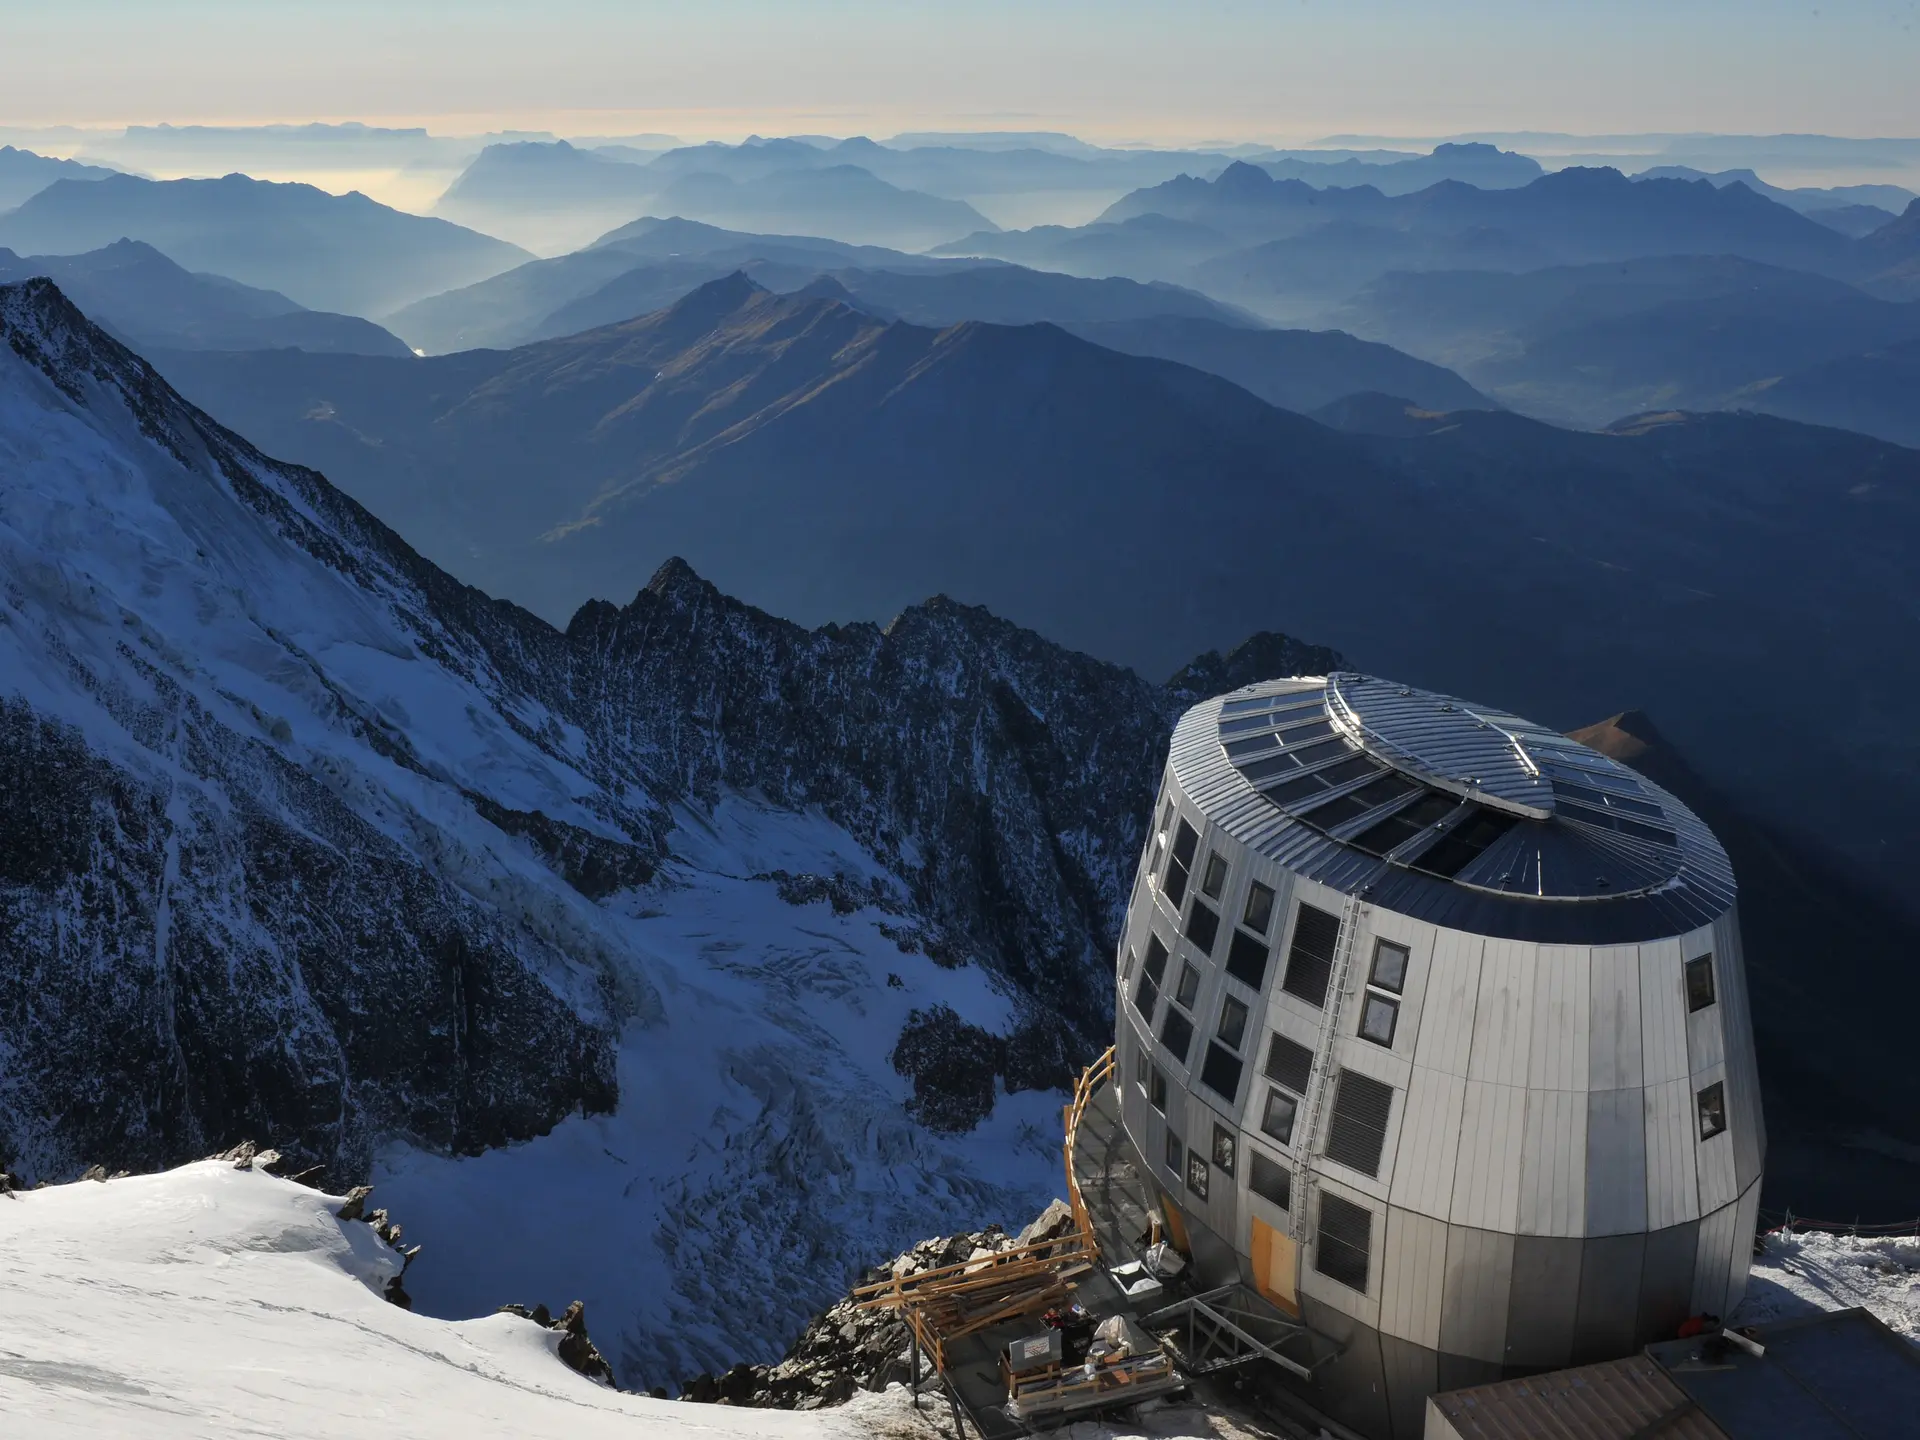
1812	1271
211	1301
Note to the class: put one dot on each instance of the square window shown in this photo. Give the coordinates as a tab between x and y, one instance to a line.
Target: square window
1146	995
1176	1033
1157	1089
1176	1152
1156	959
1184	843
1272	1183
1233	1022
1221	1073
1713	1110
1259	908
1189	984
1277	1119
1197	1173
1699	983
1214	880
1203	926
1378	1017
1140	1064
1389	966
1247	960
1225	1145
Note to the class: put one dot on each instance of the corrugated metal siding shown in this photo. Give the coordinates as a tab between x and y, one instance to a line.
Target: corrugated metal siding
1473	1313
1613	1048
1673	1193
1503	1014
1663	1013
1617	1400
1413	1274
1486	1182
1429	1148
1553	1164
1616	1162
1557	1054
1453	992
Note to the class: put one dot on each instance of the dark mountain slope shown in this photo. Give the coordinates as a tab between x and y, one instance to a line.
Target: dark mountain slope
148	301
1876	393
331	252
24	174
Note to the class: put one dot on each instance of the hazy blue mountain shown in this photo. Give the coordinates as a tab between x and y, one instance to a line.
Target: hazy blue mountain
143	298
1890	256
1485	166
24	174
1146	247
1807	199
1854	220
839	202
331	252
547	196
829	465
1876	393
1294	369
1586	344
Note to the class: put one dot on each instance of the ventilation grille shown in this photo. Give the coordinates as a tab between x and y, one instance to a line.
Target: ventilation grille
1346	1242
1310	960
1289	1064
1358	1132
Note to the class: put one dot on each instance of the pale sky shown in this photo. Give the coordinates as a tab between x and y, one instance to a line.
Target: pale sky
1122	70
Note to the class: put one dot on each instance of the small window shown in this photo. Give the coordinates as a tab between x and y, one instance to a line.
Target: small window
1126	966
1203	926
1176	1033
1310	958
1174	886
1221	1073
1233	1022
1197	1176
1247	960
1214	880
1378	1016
1226	1144
1277	1119
1139	1064
1157	1089
1184	844
1271	1182
1176	1152
1699	983
1289	1063
1146	995
1259	908
1189	985
1156	959
1389	967
1713	1110
1345	1242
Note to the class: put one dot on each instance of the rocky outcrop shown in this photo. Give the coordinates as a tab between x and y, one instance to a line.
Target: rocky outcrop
575	1349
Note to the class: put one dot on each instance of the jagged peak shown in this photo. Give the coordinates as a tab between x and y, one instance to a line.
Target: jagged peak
1625	737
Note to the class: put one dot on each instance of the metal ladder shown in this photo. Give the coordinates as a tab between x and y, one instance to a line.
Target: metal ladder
1307	1138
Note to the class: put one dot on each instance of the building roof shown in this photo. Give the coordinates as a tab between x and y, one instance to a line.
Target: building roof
1617	1400
1452	812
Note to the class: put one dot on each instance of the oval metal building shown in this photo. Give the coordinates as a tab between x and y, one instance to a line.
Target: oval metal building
1433	1030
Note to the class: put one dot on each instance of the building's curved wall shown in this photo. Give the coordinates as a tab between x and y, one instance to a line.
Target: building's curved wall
1543	1195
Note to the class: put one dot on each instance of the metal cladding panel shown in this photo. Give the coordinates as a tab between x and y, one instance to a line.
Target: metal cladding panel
1740	1257
1616	1162
1413	1275
1503	1014
1352	1384
1473	1312
1453	992
1424	1162
1747	1119
1553	1164
1412	1374
1557	1053
1486	1182
1666	1281
1713	1260
1714	1158
1609	1308
1673	1190
1545	1297
1613	1019
1706	1027
1663	1013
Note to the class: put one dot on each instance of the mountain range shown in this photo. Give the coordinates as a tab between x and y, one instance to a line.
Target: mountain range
341	253
1484	166
24	174
145	299
833	467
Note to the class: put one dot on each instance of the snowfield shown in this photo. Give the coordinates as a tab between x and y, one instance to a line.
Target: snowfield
1813	1271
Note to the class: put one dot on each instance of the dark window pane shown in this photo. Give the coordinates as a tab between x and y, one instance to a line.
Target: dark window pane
1175	1151
1203	926
1307	729
1713	1110
1247	960
1184	843
1189	985
1174	887
1319	750
1252	745
1215	879
1310	960
1348	770
1389	966
1241	724
1197	1173
1226	1145
1260	769
1140	1065
1699	983
1277	1117
1157	1090
1452	854
1176	1033
1272	1183
1146	995
1221	1073
1346	1241
1259	908
1290	1064
1358	1131
1378	1017
1156	970
1233	1022
1397	829
1289	791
